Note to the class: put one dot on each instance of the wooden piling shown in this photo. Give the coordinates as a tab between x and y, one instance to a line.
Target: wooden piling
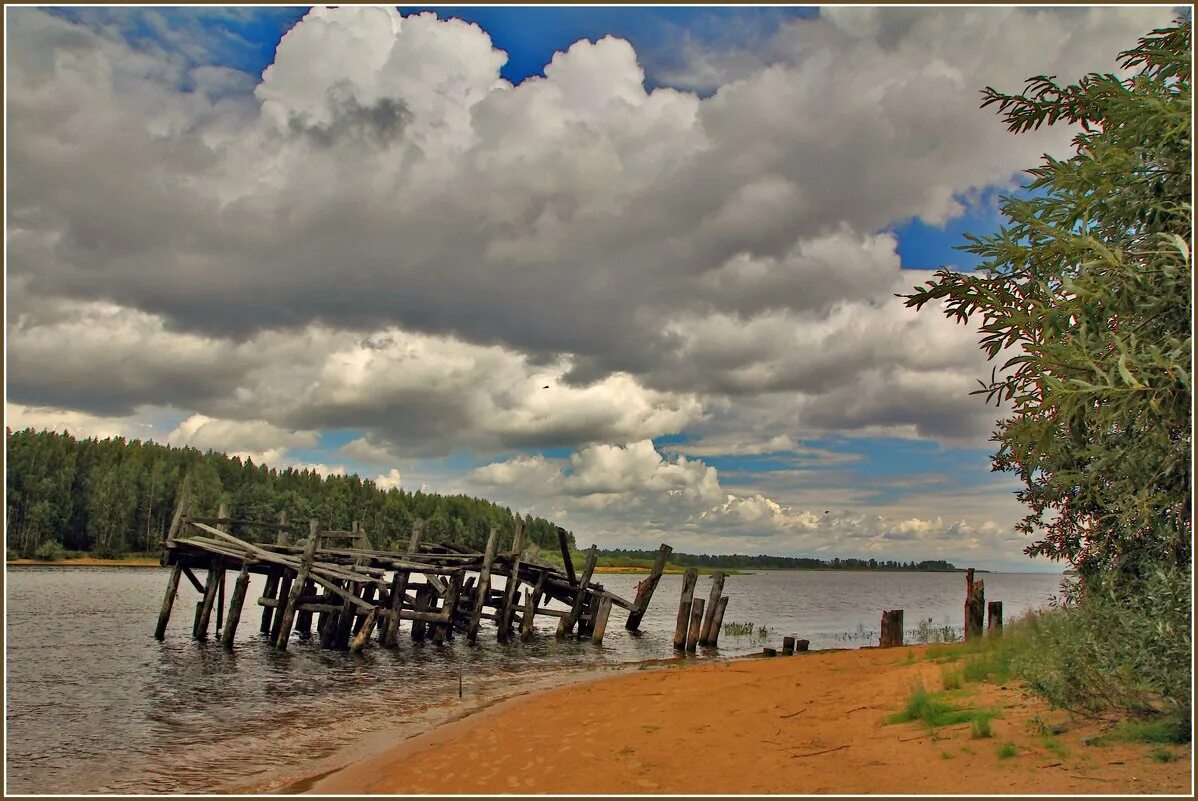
769	651
444	631
204	608
975	605
235	604
424	600
802	645
359	641
717	625
788	646
645	589
601	616
297	586
513	582
271	590
567	562
168	601
566	624
303	620
891	633
696	625
484	585
713	602
994	618
182	511
684	607
530	608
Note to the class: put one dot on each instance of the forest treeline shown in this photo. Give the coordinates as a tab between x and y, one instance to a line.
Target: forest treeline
623	556
111	496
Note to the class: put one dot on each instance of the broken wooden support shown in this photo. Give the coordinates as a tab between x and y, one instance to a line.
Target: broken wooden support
168	601
359	641
235	603
601	615
684	607
891	633
303	621
272	579
713	602
802	645
530	608
444	631
513	582
718	624
182	511
696	625
975	605
566	624
484	585
788	646
645	589
994	618
204	609
567	562
297	586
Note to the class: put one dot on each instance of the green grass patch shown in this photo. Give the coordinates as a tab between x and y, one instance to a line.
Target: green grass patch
950	679
1054	745
935	710
1159	731
981	729
1164	755
1007	750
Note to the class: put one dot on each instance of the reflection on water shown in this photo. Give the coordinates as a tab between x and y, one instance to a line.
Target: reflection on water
95	704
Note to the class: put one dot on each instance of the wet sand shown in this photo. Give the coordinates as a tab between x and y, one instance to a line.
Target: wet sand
812	723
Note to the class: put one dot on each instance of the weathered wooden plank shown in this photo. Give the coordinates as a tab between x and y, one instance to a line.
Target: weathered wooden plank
220	588
444	631
645	589
168	601
303	620
994	618
600	625
684	607
718	625
195	582
975	605
484	584
567	562
566	624
530	609
204	609
360	639
713	602
424	599
235	604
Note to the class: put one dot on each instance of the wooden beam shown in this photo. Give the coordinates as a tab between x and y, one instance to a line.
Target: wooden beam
513	582
567	562
168	601
644	590
204	608
684	607
718	624
235	604
696	625
600	625
484	585
297	586
566	624
713	602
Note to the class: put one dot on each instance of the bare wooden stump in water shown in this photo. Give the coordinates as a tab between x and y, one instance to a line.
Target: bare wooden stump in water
975	605
297	586
769	651
484	585
684	607
601	615
168	601
204	608
513	583
530	608
645	589
696	625
891	634
718	624
566	624
788	646
359	641
713	603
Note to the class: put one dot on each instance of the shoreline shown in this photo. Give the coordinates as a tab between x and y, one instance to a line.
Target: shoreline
812	723
84	561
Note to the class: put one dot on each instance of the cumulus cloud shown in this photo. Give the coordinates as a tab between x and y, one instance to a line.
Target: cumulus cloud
253	439
389	480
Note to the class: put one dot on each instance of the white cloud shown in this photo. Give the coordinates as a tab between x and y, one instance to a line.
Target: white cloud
389	480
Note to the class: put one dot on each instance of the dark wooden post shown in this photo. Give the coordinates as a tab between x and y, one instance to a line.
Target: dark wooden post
235	604
891	635
718	624
566	624
359	641
182	511
513	583
696	625
975	605
297	586
271	590
222	515
601	616
172	589
204	607
994	618
684	607
644	590
788	646
530	607
303	620
713	602
399	588
444	631
567	562
484	585
425	595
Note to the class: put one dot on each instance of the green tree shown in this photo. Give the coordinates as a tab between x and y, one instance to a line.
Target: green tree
1084	296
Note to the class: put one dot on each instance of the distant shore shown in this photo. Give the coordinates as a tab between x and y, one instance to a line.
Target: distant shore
814	723
86	561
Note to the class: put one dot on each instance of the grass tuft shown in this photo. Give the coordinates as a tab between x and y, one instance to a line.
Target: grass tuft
1007	750
981	729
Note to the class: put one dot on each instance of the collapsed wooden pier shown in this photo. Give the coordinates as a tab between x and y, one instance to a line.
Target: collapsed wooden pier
354	593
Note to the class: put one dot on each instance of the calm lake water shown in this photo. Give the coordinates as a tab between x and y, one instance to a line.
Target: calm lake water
95	704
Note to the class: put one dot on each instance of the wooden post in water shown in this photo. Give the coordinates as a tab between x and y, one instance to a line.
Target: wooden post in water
303	620
696	625
718	624
168	601
359	641
975	605
644	590
444	631
567	562
484	585
182	510
530	608
424	600
222	515
684	607
235	604
788	646
601	620
566	624
994	618
713	602
513	582
891	634
399	588
204	607
297	586
271	591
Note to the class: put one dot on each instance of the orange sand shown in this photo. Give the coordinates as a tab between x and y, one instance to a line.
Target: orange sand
812	723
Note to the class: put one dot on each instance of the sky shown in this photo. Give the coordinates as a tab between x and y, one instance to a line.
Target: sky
633	270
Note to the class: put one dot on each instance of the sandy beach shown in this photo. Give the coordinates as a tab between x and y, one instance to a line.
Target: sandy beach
813	723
